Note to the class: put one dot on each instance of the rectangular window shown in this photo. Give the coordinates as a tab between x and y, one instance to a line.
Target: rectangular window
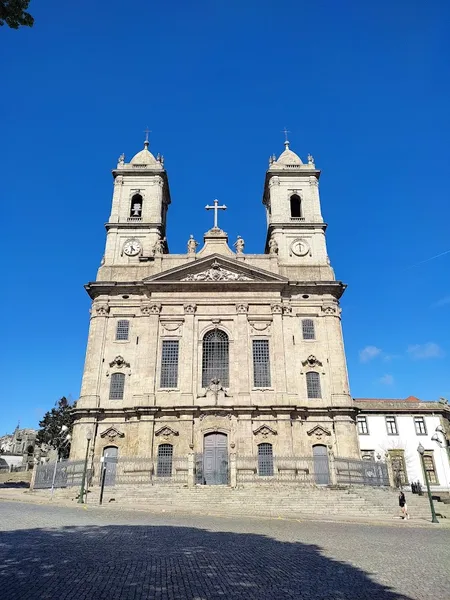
391	426
261	363
362	425
398	467
169	364
308	329
123	327
117	386
313	385
430	467
419	423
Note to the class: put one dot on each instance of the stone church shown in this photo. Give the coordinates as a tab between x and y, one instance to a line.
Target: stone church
215	352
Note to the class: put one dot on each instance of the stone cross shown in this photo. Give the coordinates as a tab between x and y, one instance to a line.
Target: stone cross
215	208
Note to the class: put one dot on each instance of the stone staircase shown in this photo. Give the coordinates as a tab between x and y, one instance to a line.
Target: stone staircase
355	503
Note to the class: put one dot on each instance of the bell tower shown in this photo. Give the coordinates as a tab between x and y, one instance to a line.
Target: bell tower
295	227
136	229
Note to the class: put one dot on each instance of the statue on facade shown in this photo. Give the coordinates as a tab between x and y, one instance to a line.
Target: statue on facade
273	246
159	246
191	245
121	159
310	159
239	245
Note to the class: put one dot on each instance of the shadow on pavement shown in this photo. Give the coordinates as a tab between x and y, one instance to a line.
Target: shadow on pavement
176	563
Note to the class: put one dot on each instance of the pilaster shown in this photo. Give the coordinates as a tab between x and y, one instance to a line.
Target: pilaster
187	354
243	351
279	366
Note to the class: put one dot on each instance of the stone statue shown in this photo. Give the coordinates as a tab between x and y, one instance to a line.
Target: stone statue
121	159
273	246
158	248
239	245
192	245
310	159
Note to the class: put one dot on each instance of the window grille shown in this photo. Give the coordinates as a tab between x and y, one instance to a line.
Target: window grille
265	460
308	329
362	425
117	386
215	361
261	363
313	385
169	364
122	330
391	426
164	466
398	467
428	463
419	423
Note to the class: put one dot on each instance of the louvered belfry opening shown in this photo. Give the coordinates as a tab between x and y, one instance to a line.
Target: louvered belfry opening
215	361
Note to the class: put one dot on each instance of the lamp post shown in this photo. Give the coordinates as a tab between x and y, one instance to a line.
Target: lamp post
83	479
421	451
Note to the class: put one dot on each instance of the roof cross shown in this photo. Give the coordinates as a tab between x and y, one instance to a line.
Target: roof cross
215	208
147	131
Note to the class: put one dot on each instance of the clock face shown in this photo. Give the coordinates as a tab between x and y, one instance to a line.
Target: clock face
132	247
300	247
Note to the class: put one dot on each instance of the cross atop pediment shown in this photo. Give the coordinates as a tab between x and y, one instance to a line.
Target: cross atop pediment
215	208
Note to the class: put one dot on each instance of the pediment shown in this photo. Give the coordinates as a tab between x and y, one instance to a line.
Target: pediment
319	431
264	430
166	431
216	269
112	433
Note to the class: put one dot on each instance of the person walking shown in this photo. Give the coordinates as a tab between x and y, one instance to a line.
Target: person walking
403	505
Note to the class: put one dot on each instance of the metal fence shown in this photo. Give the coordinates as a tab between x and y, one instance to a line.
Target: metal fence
283	469
59	475
145	470
361	472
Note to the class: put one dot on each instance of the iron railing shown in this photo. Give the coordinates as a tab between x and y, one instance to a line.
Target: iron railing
59	475
144	470
352	471
285	469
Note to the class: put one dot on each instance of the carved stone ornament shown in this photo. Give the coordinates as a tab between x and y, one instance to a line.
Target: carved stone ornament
241	309
111	434
190	309
101	310
319	432
219	413
171	325
299	247
311	361
216	273
166	432
331	310
287	309
260	325
264	431
119	362
151	309
276	309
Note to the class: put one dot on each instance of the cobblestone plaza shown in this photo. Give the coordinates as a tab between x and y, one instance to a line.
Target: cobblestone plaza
65	553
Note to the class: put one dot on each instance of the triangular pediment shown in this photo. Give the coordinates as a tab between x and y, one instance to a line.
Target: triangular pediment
319	431
216	269
112	433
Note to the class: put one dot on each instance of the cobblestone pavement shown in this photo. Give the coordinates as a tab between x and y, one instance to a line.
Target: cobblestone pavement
61	553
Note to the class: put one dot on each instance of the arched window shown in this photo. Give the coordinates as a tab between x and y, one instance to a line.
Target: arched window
308	329
117	386
265	460
296	206
136	206
215	361
164	466
122	330
313	384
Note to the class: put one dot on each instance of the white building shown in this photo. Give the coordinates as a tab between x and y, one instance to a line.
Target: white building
394	429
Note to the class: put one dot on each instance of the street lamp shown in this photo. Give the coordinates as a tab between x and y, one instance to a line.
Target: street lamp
83	479
421	451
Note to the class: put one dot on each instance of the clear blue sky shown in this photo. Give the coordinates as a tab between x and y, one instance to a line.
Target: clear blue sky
362	86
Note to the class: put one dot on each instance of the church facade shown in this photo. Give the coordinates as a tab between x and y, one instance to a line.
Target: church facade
215	352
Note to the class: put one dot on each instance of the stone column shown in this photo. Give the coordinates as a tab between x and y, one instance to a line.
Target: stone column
242	351
191	467
338	376
390	470
332	467
149	375
233	470
187	350
33	475
279	366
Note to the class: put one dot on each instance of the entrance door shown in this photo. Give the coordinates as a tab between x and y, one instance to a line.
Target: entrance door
110	454
215	459
321	469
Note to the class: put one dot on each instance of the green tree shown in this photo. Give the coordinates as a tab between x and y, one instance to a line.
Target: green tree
13	13
51	430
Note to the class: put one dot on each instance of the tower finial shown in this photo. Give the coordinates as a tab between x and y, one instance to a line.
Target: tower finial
286	141
146	131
